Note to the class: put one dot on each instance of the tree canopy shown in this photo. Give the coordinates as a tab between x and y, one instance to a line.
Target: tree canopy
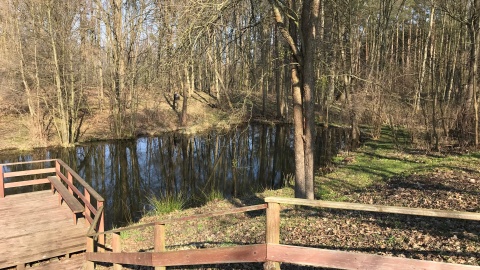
407	64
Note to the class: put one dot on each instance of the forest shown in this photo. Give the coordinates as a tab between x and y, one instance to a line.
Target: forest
411	65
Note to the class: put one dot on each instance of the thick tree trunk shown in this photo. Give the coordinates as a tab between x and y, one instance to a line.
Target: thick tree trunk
309	26
303	90
300	186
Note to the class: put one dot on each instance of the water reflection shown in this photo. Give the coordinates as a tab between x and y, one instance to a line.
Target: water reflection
127	172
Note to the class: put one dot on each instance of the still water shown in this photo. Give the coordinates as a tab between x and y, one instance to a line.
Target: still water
231	163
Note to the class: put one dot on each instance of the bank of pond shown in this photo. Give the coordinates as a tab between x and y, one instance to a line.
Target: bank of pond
217	163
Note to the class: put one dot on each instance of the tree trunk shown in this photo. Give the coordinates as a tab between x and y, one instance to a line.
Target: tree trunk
303	79
310	21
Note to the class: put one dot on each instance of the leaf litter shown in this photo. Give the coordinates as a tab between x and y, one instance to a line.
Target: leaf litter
424	238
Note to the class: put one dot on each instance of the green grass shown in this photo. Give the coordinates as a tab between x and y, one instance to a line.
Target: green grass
166	204
214	195
379	160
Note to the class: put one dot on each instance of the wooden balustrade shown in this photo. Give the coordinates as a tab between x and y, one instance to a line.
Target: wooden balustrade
5	173
272	252
64	173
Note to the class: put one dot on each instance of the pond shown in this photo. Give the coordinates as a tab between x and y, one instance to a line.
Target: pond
217	163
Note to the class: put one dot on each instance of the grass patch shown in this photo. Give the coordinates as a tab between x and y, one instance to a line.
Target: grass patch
166	204
379	160
214	195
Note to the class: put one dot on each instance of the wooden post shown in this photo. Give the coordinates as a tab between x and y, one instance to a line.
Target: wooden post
101	228
70	180
116	247
89	265
87	210
57	169
159	241
272	232
2	185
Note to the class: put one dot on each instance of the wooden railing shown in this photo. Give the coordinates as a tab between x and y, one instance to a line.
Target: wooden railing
13	174
272	252
54	167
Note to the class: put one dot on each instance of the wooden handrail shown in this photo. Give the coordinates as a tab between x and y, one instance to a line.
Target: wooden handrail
267	252
55	169
174	220
8	174
28	172
237	254
28	162
377	208
77	192
272	252
93	225
81	181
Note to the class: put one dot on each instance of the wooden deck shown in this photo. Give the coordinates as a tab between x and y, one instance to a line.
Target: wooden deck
34	227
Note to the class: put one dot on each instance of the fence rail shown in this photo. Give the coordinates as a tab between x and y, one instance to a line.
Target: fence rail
272	252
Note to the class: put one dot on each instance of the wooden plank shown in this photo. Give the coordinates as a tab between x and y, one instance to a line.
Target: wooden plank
73	203
89	265
238	254
38	245
39	226
27	183
93	223
24	199
42	256
116	247
31	236
273	229
2	187
378	208
350	260
159	241
28	172
84	198
136	258
28	236
174	220
273	223
28	162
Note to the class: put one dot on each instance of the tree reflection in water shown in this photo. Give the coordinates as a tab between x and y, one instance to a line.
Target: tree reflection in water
232	163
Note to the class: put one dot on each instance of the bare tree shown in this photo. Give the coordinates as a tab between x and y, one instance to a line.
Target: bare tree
303	82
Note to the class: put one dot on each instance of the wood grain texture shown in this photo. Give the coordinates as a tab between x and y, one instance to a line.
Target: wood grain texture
28	172
27	183
34	227
377	208
80	180
351	260
73	203
238	254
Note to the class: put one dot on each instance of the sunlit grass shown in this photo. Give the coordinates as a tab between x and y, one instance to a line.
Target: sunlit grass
214	195
380	160
166	204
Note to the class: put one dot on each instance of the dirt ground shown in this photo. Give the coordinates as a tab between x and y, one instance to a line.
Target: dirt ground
435	239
